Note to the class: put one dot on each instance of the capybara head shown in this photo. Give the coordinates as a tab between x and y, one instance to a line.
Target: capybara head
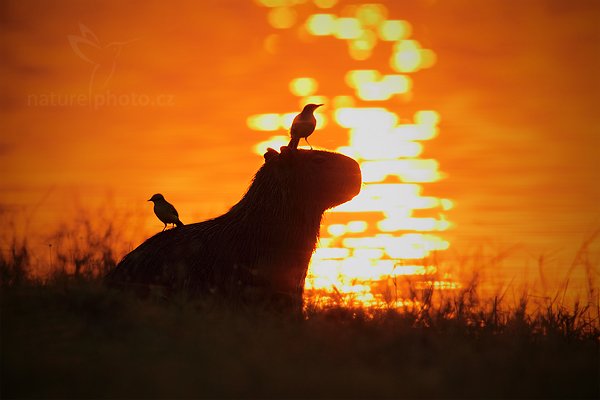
320	179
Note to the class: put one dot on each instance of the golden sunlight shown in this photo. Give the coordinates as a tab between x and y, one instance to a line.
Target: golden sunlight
372	238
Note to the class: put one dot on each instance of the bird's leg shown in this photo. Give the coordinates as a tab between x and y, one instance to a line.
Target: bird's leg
308	143
164	228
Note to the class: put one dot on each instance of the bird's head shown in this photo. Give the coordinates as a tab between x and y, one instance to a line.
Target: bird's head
156	197
310	108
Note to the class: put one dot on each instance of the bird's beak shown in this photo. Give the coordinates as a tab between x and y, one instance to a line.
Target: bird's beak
149	200
319	105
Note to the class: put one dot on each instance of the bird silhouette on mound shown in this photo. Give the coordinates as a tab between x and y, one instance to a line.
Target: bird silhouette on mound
303	125
165	211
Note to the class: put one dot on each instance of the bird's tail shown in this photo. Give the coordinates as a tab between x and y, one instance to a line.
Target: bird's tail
179	223
294	143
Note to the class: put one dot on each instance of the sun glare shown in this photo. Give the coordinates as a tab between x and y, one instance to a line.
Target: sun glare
383	232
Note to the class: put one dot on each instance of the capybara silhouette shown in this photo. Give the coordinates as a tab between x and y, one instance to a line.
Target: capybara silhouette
260	249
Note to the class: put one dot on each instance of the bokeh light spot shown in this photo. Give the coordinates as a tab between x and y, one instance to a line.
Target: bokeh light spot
325	3
274	3
359	50
446	204
347	28
321	24
396	84
336	229
303	86
263	122
365	43
428	58
407	56
372	91
356	77
371	14
282	17
393	30
343	101
271	43
427	117
357	226
321	120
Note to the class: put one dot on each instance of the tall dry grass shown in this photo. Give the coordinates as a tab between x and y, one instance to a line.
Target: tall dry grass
65	335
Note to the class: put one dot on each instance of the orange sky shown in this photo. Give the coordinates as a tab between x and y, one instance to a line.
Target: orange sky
516	84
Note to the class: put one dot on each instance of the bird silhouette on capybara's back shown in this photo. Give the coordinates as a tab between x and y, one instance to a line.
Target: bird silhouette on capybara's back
260	249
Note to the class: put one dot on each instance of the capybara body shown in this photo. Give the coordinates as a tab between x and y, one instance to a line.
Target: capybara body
260	249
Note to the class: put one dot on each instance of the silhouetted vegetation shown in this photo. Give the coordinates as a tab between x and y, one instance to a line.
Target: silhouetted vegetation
66	335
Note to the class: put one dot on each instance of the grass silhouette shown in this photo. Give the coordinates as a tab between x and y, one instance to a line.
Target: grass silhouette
64	334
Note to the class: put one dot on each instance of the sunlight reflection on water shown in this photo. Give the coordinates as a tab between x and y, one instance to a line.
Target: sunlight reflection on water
390	229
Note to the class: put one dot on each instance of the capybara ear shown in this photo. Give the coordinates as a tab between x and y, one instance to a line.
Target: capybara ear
286	153
270	154
286	150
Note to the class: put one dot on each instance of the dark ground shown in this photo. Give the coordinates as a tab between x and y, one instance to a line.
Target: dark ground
79	340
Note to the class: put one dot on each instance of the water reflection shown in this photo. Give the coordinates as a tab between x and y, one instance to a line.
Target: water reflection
391	228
